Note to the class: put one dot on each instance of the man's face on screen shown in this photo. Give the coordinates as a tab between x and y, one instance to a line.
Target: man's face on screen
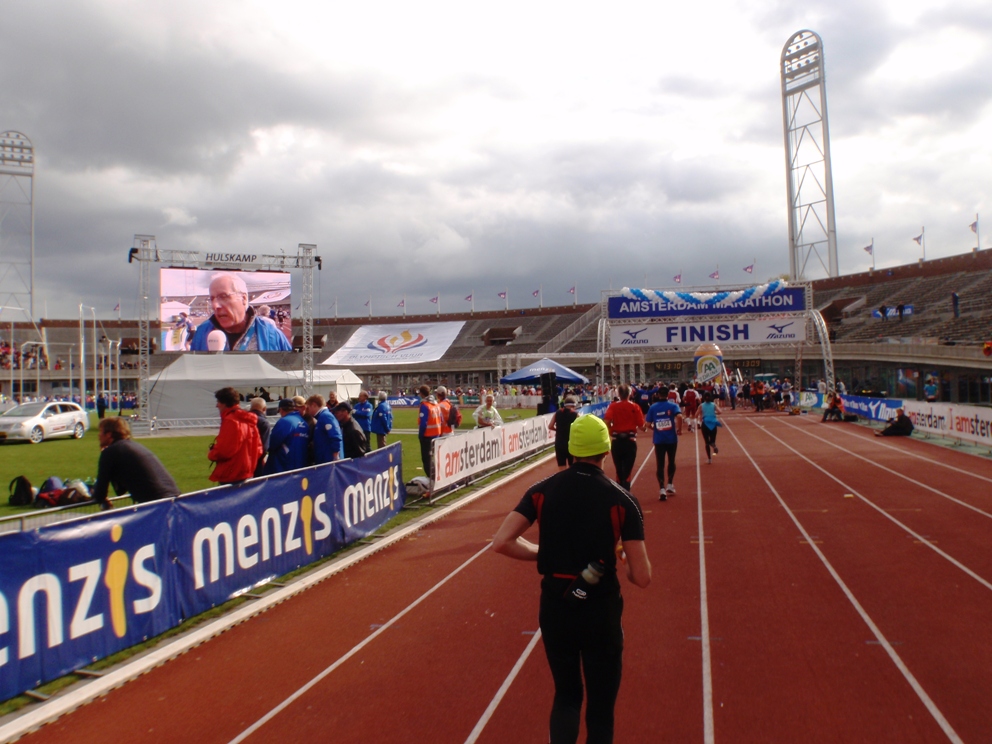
229	304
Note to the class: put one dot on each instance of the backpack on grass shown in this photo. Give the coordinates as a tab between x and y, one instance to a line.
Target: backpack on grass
21	492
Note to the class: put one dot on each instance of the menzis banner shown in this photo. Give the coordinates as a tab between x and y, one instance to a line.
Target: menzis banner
396	344
74	592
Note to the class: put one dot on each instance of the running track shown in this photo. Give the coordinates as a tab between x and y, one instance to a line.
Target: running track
814	584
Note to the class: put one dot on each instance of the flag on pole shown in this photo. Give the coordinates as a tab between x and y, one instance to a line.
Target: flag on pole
468	299
535	293
919	239
748	269
118	305
368	301
402	303
870	249
572	290
501	295
435	299
677	278
974	227
715	275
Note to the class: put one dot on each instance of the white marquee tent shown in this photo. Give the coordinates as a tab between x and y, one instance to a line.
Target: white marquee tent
185	389
344	382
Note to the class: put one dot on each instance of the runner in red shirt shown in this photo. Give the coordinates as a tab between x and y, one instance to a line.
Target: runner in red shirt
690	401
624	418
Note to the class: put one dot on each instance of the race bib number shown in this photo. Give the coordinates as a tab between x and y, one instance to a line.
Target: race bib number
663	424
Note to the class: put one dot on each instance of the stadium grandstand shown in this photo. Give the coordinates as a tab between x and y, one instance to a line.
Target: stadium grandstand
941	334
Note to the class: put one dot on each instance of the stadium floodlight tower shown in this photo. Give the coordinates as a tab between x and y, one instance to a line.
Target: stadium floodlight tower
17	222
812	230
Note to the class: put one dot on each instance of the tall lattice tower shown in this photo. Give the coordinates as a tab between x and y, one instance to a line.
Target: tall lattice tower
812	230
17	222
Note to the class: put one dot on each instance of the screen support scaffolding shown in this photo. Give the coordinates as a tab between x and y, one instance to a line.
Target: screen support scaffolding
146	252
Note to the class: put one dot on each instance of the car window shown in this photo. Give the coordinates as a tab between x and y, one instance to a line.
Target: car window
50	411
66	408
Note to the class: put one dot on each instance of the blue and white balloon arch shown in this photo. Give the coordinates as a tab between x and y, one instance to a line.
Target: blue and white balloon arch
708	299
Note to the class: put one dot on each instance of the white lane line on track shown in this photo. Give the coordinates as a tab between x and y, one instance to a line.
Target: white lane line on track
876	631
846	451
850	489
878	442
638	473
501	692
358	647
709	735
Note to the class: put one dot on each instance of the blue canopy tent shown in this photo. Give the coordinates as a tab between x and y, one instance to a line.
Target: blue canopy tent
533	372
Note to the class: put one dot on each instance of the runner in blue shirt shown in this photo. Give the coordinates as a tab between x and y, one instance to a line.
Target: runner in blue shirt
709	418
665	419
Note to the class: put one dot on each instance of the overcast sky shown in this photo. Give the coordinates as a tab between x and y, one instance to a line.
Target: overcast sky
456	148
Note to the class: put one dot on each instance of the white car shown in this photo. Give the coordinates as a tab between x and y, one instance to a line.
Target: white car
37	422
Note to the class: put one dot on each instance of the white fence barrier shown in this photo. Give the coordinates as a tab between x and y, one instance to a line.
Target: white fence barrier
462	455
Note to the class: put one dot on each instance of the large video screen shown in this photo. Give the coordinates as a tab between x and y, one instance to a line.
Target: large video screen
217	310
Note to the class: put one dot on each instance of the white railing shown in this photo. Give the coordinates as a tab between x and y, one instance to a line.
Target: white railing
572	330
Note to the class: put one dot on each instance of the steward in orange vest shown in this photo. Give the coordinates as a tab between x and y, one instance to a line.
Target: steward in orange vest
431	427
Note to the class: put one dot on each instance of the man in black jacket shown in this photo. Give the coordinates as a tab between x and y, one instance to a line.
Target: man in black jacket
129	467
355	443
257	406
900	426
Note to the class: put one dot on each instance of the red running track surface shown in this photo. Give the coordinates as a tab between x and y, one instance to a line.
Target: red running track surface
814	584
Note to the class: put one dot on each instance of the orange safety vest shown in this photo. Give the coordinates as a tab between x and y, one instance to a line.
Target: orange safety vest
433	428
445	406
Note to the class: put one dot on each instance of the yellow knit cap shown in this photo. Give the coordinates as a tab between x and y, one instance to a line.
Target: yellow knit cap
588	437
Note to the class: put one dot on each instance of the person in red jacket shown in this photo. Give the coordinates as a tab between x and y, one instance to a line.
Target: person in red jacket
238	447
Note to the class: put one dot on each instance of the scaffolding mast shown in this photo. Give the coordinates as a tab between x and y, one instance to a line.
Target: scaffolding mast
17	222
812	228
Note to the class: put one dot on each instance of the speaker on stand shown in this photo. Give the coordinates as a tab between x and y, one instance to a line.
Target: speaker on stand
549	393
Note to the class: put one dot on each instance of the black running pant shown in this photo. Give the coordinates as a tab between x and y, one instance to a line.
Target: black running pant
584	641
660	451
624	453
426	447
709	436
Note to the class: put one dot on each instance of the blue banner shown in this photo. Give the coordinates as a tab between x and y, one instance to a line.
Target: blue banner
785	300
597	409
78	591
876	409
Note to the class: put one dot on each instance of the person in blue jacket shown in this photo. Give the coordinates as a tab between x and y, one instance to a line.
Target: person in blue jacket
362	413
382	420
243	330
328	442
289	441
